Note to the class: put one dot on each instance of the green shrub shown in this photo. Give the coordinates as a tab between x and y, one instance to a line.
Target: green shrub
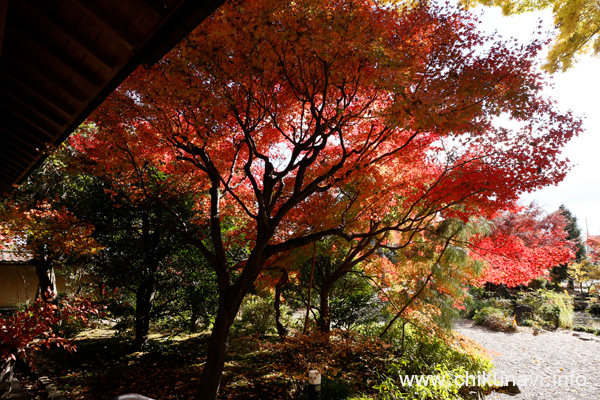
594	307
69	329
561	307
335	389
495	319
552	309
356	304
476	299
587	329
500	323
473	305
444	387
539	283
503	304
550	313
479	298
527	322
425	355
481	315
257	315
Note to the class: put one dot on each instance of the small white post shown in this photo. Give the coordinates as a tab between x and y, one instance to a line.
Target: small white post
314	385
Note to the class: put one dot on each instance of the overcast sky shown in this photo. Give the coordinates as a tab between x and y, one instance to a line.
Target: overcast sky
577	90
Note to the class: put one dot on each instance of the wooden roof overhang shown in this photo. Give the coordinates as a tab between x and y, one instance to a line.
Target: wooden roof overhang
59	59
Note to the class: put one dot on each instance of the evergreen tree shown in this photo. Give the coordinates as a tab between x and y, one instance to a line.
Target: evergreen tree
559	273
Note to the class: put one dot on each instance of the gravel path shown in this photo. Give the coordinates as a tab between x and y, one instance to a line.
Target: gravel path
560	365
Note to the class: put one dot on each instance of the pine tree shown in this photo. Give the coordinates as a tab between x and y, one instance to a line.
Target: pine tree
559	273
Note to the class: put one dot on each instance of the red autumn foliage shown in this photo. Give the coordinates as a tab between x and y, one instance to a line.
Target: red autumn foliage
294	122
593	248
28	330
524	246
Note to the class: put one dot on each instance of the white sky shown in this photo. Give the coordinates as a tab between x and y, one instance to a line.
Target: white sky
577	90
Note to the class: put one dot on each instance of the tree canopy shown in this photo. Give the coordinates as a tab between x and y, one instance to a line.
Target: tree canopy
289	123
523	246
577	22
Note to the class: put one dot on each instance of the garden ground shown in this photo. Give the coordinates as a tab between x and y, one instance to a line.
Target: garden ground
170	367
557	358
262	368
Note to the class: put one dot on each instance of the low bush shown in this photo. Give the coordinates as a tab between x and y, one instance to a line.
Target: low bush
360	305
331	389
24	333
594	307
476	299
423	355
552	309
539	283
351	362
550	313
479	298
587	329
503	304
495	319
527	322
257	315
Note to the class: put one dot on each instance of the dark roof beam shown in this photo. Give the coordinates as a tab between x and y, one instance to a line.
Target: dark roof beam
85	44
6	183
28	121
3	12
33	107
60	85
183	20
55	56
19	173
79	41
40	94
31	146
154	7
17	156
108	22
17	161
14	166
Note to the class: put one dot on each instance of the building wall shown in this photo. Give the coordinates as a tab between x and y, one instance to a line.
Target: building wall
18	284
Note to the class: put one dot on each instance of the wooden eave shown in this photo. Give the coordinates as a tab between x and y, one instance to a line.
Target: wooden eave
59	59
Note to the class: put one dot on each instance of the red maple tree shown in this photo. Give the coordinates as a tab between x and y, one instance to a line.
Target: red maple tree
593	247
47	234
293	122
24	332
524	246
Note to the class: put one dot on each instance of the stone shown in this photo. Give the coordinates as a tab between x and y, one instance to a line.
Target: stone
510	389
522	312
580	305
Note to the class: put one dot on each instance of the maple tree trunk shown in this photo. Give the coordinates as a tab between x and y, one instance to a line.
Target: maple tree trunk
215	356
47	283
44	270
147	287
281	330
144	297
324	322
194	319
310	285
230	300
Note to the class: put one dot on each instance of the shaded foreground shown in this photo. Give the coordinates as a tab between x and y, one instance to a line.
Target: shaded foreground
170	368
353	366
